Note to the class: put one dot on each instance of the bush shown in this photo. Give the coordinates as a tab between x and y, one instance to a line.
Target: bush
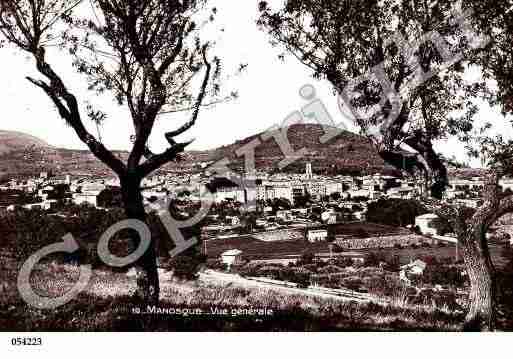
395	212
186	266
373	259
302	279
306	258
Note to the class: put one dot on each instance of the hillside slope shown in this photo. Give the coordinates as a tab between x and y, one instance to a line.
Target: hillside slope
11	141
348	153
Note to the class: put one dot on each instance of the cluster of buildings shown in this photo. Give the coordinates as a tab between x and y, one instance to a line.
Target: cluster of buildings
258	190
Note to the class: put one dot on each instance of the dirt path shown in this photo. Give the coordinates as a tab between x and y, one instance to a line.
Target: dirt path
218	278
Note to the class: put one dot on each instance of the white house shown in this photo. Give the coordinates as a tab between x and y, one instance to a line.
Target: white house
427	223
329	217
285	215
233	220
45	205
415	268
88	198
317	235
231	257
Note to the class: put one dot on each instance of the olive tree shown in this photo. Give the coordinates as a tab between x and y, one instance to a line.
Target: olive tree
399	67
148	54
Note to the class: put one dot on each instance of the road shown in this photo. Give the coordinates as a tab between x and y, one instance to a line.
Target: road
214	277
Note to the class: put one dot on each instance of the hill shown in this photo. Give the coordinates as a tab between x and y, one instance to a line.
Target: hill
347	153
11	141
22	154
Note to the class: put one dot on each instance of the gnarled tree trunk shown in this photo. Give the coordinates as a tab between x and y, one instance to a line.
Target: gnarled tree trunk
476	254
148	288
481	272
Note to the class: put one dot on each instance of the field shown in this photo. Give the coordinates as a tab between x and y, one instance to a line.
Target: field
371	229
255	249
448	251
106	305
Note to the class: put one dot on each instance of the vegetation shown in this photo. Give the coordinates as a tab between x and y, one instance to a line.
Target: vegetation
147	55
395	212
403	101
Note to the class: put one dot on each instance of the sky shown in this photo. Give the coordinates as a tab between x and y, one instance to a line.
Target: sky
268	93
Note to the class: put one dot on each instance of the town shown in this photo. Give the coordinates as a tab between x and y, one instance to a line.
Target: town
364	236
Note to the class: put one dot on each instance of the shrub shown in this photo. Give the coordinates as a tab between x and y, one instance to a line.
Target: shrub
306	258
186	266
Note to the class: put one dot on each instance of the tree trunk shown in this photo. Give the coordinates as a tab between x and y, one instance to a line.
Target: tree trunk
481	314
148	288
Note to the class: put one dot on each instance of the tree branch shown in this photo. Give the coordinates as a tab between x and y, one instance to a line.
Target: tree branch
70	112
199	100
157	161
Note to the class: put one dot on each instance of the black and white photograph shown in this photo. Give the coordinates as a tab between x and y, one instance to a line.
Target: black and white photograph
292	166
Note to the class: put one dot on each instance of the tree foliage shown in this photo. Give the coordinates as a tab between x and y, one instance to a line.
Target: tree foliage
389	62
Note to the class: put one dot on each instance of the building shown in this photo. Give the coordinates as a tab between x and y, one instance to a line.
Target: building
427	224
403	192
317	235
89	193
308	173
45	205
231	257
329	217
413	269
285	215
316	189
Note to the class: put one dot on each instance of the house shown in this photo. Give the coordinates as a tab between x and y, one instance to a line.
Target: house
233	220
414	268
285	215
317	235
231	257
85	198
329	217
402	192
427	224
45	205
89	193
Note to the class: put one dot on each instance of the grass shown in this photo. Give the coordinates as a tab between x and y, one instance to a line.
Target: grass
255	249
107	305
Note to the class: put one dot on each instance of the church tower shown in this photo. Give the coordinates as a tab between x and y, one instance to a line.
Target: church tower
309	174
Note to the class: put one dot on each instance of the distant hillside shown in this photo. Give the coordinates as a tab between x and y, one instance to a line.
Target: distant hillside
25	155
348	153
11	141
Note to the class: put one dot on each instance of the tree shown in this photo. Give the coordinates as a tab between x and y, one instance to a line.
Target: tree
411	100
336	196
303	201
307	257
280	204
394	212
248	222
341	41
148	54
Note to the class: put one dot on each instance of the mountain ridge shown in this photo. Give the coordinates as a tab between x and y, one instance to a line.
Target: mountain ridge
347	153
